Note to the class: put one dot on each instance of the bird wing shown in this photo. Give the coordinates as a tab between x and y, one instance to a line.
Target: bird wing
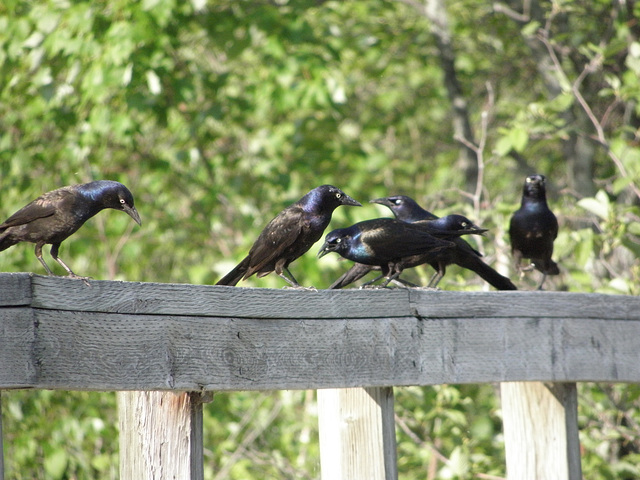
43	206
279	234
402	242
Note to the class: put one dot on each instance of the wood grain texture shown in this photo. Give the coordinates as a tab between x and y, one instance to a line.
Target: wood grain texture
96	351
1	446
541	430
156	432
15	289
139	336
207	300
357	434
17	339
514	304
62	293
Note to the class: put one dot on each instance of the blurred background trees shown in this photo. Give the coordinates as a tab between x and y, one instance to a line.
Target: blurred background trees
218	114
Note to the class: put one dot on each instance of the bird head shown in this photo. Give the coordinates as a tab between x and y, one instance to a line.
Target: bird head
404	208
114	195
535	186
333	195
326	198
333	242
459	225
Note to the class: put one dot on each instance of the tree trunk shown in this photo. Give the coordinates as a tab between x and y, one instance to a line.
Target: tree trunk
435	11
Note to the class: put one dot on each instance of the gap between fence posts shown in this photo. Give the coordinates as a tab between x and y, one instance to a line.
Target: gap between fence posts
357	434
161	435
540	424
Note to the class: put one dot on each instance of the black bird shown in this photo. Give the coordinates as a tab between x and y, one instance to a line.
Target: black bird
533	228
407	210
289	235
450	227
386	243
55	215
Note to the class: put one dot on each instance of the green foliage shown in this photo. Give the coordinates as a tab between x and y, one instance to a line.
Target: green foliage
218	114
60	435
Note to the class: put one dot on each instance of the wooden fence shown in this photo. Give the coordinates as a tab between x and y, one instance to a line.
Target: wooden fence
167	347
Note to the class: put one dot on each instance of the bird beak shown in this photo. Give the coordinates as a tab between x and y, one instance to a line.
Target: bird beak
381	201
347	200
133	213
324	249
476	230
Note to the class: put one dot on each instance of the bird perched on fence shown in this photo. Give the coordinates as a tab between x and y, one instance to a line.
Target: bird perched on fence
54	216
390	244
450	227
533	228
407	210
289	235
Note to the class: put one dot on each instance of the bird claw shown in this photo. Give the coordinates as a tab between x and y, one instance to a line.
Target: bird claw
372	287
79	277
300	287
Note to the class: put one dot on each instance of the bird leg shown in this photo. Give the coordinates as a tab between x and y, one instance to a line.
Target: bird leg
401	282
435	280
397	281
292	281
370	282
39	257
394	272
54	254
439	275
390	279
544	277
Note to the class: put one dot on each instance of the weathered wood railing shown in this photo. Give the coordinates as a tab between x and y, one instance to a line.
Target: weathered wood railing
153	341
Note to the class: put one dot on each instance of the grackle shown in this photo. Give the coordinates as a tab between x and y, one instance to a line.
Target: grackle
54	216
407	210
289	235
533	228
387	243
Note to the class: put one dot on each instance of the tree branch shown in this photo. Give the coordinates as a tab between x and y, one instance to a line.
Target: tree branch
594	65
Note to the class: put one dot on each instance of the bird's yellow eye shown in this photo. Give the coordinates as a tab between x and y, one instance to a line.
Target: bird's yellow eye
397	201
122	201
338	195
464	224
339	240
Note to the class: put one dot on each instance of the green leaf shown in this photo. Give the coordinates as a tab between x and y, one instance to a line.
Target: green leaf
55	463
599	205
519	138
632	246
459	462
503	146
530	29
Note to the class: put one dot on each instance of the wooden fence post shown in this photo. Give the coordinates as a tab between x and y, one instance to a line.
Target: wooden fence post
161	435
357	434
541	430
1	443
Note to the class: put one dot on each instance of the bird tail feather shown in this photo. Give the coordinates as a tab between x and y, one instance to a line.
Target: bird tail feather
235	275
488	274
5	241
